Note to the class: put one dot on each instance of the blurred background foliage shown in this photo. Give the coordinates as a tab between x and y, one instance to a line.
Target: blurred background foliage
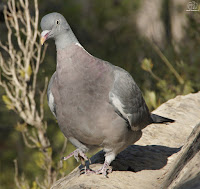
158	42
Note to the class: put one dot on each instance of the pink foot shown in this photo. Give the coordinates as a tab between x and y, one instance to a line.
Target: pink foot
105	170
78	155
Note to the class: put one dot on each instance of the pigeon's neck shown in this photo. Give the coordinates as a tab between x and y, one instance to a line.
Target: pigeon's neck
66	39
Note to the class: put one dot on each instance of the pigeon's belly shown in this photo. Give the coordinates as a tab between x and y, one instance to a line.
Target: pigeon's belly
82	103
85	116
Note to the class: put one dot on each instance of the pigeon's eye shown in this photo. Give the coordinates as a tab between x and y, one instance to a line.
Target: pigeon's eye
58	22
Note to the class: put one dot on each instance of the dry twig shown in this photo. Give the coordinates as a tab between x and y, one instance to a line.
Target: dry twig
19	71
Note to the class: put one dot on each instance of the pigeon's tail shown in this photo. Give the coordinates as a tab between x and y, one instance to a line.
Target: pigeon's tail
160	119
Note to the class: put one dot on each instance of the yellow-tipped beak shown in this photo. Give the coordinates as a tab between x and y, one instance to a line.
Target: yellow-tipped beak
42	40
44	36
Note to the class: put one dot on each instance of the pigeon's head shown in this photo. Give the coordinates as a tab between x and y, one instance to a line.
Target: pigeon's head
53	25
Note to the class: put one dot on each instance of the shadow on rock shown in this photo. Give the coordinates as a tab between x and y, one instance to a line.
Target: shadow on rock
136	158
191	184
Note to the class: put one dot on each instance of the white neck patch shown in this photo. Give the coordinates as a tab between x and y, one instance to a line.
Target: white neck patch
78	44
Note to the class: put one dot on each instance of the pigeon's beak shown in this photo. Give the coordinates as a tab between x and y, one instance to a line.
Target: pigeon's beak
44	36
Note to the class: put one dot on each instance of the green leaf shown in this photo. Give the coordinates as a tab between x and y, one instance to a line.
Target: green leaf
188	87
40	161
150	98
38	145
21	127
29	71
8	102
147	65
34	185
22	73
49	151
162	84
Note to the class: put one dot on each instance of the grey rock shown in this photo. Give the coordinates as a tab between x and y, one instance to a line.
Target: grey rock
185	171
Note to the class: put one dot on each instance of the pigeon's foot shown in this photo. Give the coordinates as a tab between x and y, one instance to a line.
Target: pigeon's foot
78	155
102	171
105	169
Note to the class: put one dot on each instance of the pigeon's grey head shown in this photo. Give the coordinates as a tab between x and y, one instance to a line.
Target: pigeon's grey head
53	25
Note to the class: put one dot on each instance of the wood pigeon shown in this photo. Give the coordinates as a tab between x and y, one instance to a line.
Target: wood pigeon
95	103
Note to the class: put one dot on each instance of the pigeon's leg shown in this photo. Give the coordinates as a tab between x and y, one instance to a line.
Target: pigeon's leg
109	157
79	153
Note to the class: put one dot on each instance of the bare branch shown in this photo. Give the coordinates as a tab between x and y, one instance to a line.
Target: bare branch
16	174
26	141
39	184
19	73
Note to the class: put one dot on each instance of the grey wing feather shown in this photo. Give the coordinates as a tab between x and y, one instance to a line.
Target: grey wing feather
50	97
128	101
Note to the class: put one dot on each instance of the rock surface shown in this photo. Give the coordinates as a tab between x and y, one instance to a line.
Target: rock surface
156	160
185	171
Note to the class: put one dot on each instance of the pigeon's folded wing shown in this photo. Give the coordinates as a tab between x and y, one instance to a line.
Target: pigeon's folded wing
127	100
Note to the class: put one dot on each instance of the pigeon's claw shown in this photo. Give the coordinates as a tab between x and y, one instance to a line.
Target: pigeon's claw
87	171
104	170
78	155
81	155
